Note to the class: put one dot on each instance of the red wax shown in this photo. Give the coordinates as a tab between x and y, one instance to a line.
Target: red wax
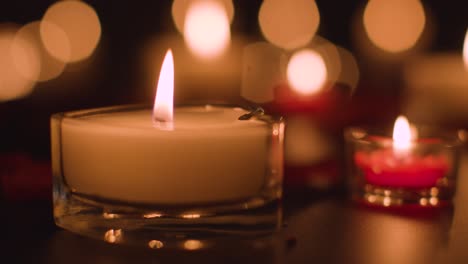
287	102
385	168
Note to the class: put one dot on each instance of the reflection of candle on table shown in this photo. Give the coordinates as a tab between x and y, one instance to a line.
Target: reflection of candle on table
204	155
397	166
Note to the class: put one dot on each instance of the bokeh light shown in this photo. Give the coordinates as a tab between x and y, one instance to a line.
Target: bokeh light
25	53
330	56
206	29
394	25
13	84
49	66
306	72
79	23
180	7
465	50
290	24
55	41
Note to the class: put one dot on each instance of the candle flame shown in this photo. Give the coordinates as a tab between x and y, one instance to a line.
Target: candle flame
164	100
402	134
465	50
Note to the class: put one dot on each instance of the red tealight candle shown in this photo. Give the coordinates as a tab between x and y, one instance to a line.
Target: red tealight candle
397	166
403	170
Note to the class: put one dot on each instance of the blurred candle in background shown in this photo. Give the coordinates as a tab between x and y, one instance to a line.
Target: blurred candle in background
309	86
437	86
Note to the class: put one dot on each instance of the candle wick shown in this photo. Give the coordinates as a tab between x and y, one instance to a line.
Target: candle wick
256	112
163	124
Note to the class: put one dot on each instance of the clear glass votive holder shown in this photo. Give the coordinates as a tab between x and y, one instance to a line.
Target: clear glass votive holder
120	177
423	176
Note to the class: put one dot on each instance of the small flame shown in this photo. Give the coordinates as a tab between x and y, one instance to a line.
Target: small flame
465	50
164	100
402	134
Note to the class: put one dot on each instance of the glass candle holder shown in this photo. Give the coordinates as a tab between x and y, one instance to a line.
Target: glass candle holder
422	176
121	177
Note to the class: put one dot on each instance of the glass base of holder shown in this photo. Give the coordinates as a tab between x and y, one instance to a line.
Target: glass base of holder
432	197
166	227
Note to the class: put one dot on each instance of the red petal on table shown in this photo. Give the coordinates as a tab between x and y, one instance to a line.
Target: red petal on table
23	179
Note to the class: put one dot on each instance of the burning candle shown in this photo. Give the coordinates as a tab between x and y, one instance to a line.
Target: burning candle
207	157
193	158
396	166
403	169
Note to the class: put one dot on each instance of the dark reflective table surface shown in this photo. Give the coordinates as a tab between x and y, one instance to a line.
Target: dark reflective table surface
319	228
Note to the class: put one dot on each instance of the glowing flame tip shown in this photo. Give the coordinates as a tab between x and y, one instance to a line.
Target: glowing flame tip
164	100
402	135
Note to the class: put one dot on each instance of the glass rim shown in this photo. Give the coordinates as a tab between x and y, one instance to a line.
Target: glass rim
75	114
432	136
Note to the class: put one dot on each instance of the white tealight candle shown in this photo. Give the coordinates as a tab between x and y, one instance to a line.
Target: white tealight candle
192	155
209	156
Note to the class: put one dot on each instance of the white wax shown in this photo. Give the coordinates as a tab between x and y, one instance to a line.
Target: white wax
210	156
